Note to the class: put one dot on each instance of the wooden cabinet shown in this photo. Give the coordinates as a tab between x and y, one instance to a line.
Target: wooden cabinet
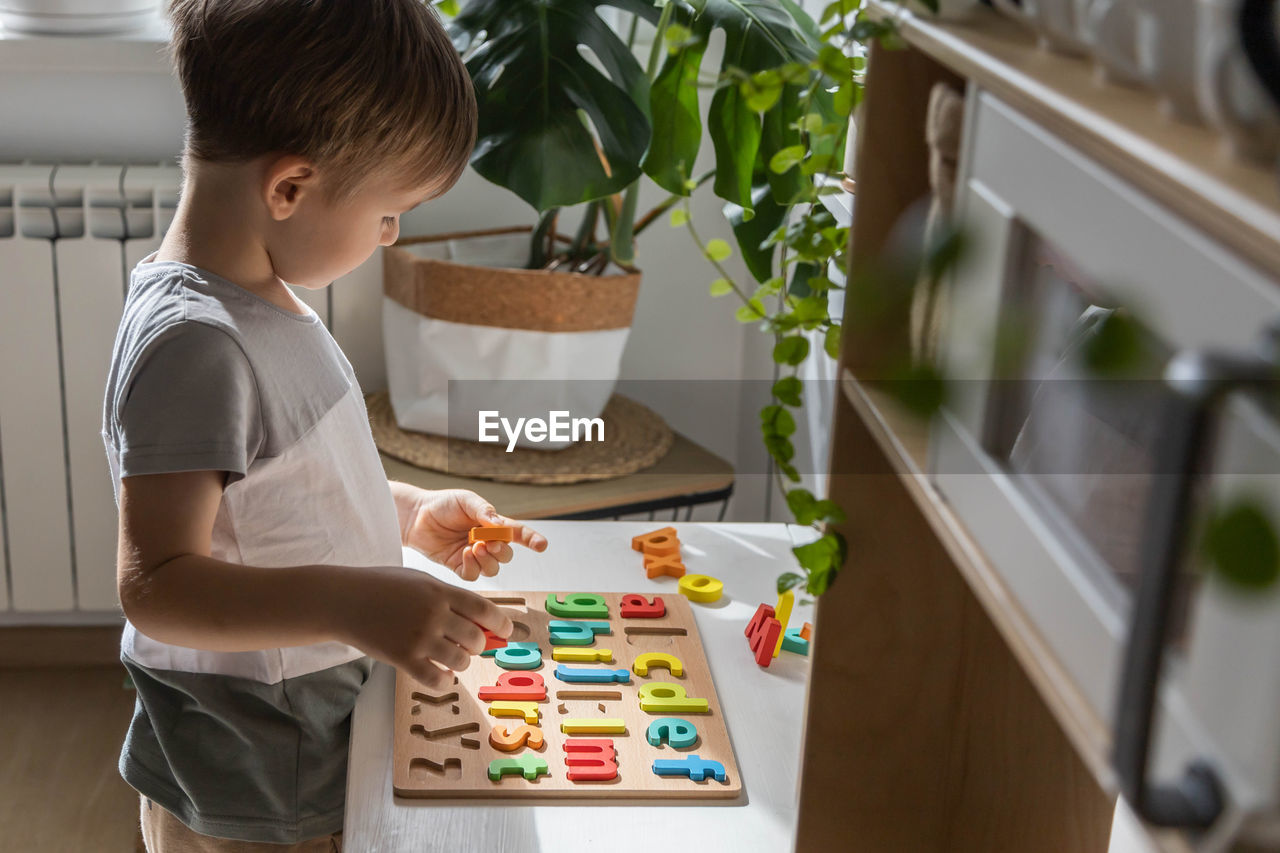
942	711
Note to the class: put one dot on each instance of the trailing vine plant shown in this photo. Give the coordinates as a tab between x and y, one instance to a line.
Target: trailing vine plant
820	94
777	120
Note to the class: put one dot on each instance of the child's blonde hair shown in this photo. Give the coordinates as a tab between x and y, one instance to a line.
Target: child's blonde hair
361	87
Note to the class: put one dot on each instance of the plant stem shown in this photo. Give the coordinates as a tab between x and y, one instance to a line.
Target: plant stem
622	247
670	202
585	231
693	232
538	254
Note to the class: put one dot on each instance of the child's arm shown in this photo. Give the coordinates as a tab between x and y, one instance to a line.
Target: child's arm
173	591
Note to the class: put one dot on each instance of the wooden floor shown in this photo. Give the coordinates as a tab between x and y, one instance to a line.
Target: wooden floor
60	734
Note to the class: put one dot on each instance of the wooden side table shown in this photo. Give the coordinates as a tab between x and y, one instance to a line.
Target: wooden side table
688	476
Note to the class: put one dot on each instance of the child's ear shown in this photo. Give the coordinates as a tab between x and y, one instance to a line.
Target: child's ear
285	180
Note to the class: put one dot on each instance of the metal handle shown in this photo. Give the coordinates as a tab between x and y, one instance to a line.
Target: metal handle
1198	381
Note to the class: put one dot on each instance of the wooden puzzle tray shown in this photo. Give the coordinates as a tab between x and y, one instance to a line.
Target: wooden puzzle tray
446	743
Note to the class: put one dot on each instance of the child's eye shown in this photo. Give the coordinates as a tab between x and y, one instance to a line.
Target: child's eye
388	221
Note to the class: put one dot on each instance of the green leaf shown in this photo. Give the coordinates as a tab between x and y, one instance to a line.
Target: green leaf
678	217
812	310
717	250
752	233
866	29
782	451
677	120
785	158
788	580
787	389
831	341
448	8
828	510
800	279
823	560
720	287
735	135
751	312
758	36
919	388
777	421
1241	545
834	64
1114	347
801	503
531	83
777	134
791	350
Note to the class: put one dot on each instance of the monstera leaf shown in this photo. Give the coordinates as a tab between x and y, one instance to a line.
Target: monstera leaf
759	35
534	89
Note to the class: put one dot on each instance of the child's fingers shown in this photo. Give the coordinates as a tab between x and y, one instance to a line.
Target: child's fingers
488	562
525	535
500	551
470	568
481	611
430	675
465	633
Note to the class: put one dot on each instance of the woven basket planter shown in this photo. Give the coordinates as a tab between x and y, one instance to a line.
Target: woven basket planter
465	331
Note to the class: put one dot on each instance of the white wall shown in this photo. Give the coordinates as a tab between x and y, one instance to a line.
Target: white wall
114	100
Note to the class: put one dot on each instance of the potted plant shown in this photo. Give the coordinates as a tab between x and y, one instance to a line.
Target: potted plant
561	131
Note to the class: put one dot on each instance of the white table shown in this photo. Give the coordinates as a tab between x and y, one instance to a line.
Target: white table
763	709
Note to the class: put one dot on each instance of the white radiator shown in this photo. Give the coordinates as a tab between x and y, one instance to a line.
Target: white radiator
69	235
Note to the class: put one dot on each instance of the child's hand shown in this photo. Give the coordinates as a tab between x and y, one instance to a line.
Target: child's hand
416	623
439	526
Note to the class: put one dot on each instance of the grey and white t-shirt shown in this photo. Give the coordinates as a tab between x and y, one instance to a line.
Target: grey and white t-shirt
206	375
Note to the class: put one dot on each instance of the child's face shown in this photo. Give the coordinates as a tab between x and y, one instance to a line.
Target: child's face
323	242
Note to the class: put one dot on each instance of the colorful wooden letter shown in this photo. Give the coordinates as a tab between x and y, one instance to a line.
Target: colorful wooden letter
703	588
692	766
504	708
518	656
662	659
635	607
661	697
582	655
782	612
576	633
673	730
657	565
492	642
793	642
489	534
662	541
527	765
527	686
580	605
762	633
510	741
604	726
588	675
590	759
806	631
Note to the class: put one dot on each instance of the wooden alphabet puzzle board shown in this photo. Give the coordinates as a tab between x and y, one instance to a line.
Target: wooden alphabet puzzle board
443	745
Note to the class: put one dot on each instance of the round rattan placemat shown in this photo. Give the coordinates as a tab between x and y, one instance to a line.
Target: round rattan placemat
635	437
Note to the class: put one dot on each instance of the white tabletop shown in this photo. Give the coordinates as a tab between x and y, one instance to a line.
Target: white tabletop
763	710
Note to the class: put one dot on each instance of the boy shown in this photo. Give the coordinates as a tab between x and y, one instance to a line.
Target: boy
260	543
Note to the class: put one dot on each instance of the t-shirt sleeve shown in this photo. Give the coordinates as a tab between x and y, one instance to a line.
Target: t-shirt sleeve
191	404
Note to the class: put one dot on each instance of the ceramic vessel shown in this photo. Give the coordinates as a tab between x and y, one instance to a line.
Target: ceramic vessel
76	17
1232	95
1055	21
